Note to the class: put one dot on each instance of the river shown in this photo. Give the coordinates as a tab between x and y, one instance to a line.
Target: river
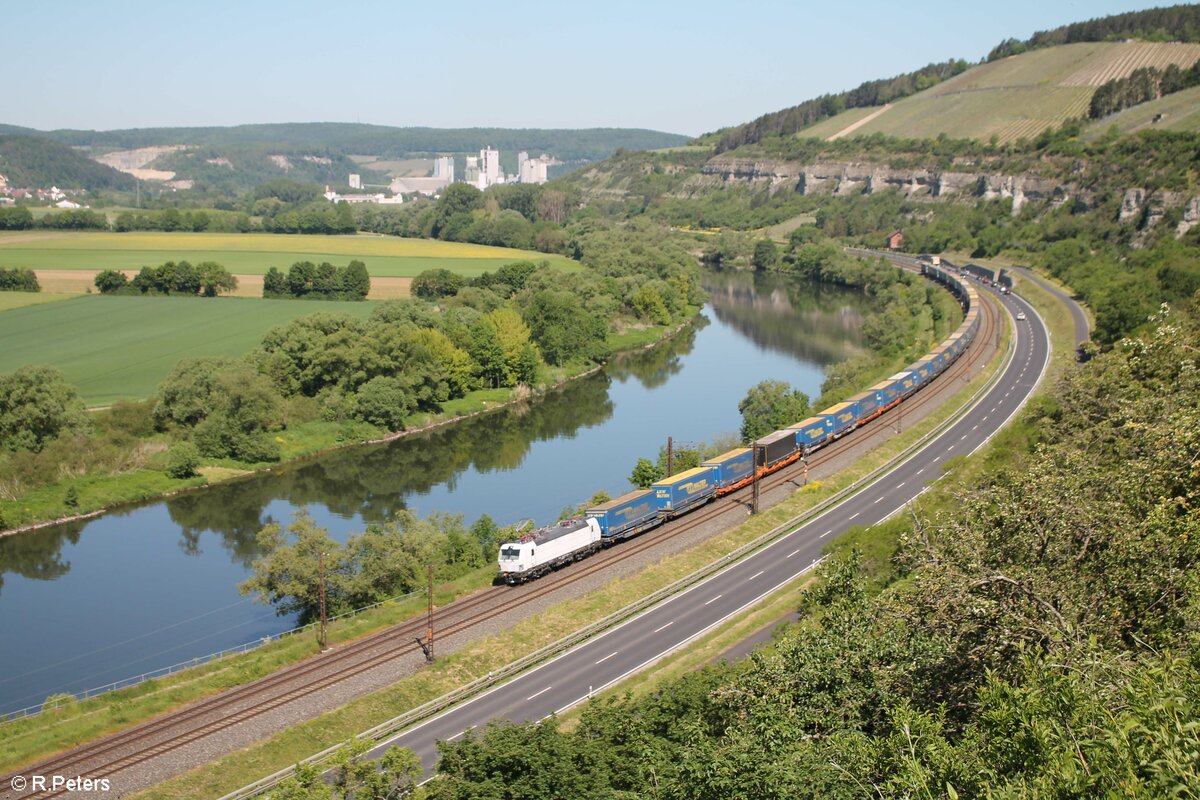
145	587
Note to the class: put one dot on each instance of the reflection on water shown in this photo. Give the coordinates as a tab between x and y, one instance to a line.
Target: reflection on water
146	587
821	324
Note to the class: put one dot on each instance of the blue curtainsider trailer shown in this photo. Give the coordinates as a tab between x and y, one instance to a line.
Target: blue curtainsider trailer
733	469
843	417
870	405
922	370
627	515
890	393
812	433
681	492
906	382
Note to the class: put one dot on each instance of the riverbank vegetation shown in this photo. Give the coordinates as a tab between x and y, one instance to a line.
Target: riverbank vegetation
522	329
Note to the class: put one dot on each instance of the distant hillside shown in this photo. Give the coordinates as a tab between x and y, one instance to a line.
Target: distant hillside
1007	114
230	160
32	162
1014	97
386	142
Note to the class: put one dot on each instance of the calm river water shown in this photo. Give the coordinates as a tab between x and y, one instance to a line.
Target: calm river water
85	604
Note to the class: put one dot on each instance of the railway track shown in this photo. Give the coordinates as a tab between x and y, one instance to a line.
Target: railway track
137	745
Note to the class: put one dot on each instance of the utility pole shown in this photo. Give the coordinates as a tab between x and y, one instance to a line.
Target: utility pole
426	645
321	631
756	451
670	457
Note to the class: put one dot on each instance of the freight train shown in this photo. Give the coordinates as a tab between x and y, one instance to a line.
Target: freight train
546	549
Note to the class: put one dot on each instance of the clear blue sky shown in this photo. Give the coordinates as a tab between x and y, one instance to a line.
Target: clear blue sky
684	67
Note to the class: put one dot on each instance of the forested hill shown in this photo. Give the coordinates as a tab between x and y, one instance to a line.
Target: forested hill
590	144
33	162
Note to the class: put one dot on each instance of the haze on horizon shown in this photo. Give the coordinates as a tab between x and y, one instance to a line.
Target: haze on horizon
670	66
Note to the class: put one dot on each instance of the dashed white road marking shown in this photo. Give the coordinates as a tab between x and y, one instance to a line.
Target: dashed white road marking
826	533
538	694
855	514
664	627
755	575
789	555
607	657
715	599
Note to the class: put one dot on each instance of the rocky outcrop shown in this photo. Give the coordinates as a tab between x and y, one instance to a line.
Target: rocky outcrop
1191	217
844	178
1131	204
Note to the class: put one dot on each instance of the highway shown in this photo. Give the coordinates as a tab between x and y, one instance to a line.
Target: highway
606	659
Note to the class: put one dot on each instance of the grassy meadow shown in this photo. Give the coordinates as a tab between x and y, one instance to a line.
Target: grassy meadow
116	346
254	254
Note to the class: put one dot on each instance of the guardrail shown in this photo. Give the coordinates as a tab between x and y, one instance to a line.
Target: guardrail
433	707
162	672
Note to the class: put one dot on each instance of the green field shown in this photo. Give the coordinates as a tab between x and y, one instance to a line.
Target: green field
254	254
1015	97
11	300
114	347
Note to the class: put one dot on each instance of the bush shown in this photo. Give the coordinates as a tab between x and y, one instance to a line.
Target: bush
435	283
18	280
110	281
383	402
182	460
37	405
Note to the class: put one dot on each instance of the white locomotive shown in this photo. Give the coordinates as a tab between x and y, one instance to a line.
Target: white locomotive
548	548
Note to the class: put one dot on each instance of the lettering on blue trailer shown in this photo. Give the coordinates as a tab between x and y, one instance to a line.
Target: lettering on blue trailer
634	511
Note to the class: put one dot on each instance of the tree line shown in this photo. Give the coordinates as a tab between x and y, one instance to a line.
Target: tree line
1179	23
207	279
1142	85
324	281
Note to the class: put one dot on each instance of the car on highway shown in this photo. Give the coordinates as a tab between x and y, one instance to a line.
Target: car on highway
1020	316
